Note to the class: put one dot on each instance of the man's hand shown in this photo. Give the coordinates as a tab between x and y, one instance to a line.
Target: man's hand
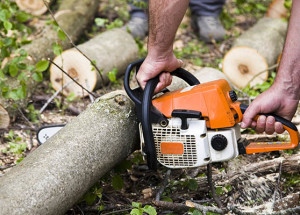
153	66
274	100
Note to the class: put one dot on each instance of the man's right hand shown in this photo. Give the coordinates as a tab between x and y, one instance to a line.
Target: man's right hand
154	66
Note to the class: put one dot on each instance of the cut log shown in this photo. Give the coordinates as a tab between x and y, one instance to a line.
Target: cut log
277	10
254	52
113	49
4	118
73	16
34	7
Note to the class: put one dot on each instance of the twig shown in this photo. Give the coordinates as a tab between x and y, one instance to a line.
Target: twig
24	117
204	209
6	167
270	68
117	211
212	187
71	78
54	95
88	87
278	182
72	43
162	188
179	207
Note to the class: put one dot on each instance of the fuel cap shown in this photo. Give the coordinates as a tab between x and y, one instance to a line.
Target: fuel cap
219	142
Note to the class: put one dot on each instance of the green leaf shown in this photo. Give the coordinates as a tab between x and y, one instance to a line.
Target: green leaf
22	16
192	184
90	198
13	70
7	25
4	15
117	182
136	204
136	212
101	22
196	212
61	35
167	199
150	210
57	49
42	65
37	76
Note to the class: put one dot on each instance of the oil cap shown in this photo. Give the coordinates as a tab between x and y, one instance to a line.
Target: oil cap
219	142
233	96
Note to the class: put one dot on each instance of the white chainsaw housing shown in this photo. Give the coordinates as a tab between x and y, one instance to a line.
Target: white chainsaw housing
196	140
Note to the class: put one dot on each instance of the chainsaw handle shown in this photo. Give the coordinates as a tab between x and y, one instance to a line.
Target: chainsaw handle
179	72
274	146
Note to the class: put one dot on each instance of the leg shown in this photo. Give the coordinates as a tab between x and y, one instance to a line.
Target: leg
138	24
205	19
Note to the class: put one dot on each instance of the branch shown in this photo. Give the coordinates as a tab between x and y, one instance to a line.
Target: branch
212	187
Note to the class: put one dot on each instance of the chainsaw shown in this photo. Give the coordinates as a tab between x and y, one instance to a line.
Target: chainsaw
196	125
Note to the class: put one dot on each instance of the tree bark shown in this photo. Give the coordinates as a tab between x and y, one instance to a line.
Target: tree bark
73	16
255	51
113	49
4	118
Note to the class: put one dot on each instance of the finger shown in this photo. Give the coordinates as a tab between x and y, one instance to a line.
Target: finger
248	116
261	124
279	128
270	125
165	79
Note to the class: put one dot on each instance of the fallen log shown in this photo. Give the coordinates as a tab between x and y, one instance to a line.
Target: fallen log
254	52
73	16
113	49
34	7
54	176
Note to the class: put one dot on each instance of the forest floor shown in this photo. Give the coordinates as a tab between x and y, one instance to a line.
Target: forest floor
131	181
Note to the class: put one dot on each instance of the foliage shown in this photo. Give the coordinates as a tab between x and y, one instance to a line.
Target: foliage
139	210
16	146
112	75
14	34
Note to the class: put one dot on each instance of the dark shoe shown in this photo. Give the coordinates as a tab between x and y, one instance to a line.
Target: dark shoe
209	28
137	27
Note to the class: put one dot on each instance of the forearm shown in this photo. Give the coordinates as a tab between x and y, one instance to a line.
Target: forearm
164	19
288	76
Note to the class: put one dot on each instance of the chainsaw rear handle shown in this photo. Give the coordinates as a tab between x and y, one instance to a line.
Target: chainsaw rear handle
273	146
180	72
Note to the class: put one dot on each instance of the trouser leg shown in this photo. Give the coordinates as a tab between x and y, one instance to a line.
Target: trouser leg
137	11
206	7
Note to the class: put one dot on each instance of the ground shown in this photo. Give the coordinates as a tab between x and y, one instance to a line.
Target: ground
131	181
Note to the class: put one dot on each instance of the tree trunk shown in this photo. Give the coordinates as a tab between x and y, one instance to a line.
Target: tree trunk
73	16
34	7
54	176
113	49
254	51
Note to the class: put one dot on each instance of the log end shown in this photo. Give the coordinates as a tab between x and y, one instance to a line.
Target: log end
4	118
277	10
34	7
79	68
243	65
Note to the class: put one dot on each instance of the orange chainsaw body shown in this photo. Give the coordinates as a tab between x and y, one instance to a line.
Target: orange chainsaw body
212	99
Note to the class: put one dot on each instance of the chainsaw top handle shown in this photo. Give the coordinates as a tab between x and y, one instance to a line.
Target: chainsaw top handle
273	146
144	105
180	72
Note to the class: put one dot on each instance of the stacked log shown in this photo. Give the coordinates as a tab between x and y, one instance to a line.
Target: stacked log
34	7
